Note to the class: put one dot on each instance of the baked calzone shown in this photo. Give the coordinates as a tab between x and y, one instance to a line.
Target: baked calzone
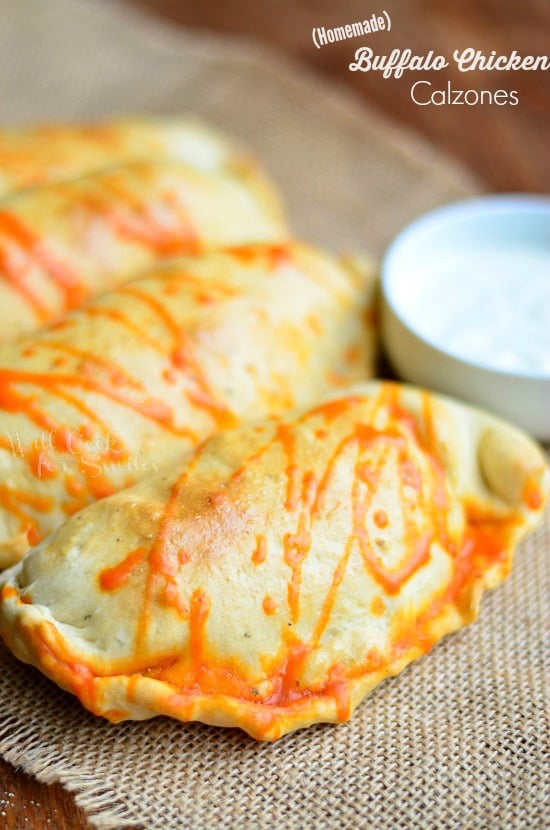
276	574
62	243
98	400
38	155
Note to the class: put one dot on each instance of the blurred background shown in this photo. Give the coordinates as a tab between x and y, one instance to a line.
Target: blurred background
505	146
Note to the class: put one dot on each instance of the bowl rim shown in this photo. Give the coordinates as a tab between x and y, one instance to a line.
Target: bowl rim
442	218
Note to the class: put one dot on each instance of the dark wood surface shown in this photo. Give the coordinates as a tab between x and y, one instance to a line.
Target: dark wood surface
507	147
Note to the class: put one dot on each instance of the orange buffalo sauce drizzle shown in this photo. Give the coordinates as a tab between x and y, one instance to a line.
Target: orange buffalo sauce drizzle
112	578
12	401
296	548
8	592
133	216
198	615
418	547
532	495
119	386
36	253
197	672
205	290
91	363
286	677
270	256
330	598
65	439
309	494
381	519
260	551
305	495
39	462
174	282
125	321
485	543
184	359
164	561
16	501
49	151
90	465
62	437
377	606
296	545
364	437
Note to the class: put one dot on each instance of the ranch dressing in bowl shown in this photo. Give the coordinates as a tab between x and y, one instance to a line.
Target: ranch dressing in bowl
493	307
466	305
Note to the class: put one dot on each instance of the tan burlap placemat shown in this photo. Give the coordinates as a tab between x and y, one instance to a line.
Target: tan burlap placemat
458	741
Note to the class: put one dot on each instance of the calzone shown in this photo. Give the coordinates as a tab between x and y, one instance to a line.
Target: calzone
38	155
278	573
98	400
64	242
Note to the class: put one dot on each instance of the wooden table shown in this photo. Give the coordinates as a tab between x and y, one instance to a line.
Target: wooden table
506	146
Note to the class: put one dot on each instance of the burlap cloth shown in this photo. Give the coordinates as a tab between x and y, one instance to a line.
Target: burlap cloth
459	740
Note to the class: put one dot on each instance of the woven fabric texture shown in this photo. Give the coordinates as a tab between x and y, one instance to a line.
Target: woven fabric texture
456	742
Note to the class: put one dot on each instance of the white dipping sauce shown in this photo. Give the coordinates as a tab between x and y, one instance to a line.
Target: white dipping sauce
489	305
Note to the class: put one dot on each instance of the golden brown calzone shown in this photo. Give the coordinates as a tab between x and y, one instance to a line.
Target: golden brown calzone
278	573
98	400
64	242
38	155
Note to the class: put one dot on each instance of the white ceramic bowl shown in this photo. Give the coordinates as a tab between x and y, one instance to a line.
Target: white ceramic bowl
511	233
